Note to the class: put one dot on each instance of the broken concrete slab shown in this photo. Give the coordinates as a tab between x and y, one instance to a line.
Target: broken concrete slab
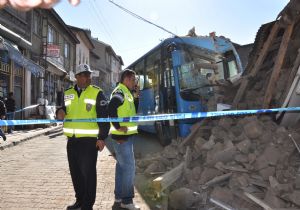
182	198
253	129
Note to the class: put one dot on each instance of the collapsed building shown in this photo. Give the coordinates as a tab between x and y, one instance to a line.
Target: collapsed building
250	162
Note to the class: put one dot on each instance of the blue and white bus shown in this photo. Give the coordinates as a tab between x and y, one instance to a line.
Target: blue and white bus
174	78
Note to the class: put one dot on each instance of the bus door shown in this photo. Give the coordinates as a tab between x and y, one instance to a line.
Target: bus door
167	89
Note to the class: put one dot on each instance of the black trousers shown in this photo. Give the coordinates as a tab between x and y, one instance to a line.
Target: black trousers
82	157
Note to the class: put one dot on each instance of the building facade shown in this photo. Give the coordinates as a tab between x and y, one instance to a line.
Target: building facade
105	61
16	65
56	45
84	46
39	54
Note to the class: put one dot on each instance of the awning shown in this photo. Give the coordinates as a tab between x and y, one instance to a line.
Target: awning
59	70
17	57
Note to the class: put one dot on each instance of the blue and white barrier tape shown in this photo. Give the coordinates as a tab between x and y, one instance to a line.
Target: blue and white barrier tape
28	107
177	116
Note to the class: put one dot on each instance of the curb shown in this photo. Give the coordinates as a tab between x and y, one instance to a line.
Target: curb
24	135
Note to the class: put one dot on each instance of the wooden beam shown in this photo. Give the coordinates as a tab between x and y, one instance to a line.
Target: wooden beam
216	180
278	65
258	201
221	204
164	181
257	65
187	158
167	179
291	83
193	133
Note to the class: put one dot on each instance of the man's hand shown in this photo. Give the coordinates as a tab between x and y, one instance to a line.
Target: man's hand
100	144
123	129
60	114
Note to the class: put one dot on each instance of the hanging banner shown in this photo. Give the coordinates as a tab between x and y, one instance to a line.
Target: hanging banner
52	50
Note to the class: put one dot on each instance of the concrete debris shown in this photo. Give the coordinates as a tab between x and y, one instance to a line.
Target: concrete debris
223	169
182	198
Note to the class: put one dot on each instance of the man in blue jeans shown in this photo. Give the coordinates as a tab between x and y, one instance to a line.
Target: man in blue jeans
122	105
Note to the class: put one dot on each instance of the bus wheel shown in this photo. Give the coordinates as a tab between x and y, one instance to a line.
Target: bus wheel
163	132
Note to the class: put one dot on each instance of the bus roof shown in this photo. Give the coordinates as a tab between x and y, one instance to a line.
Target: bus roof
213	44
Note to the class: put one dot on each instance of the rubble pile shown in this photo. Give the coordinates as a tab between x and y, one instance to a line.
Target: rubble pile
277	44
231	157
241	162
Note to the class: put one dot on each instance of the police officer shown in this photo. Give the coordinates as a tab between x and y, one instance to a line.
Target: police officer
84	101
122	105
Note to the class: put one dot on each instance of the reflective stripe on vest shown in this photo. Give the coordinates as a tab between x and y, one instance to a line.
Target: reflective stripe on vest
127	109
131	130
79	131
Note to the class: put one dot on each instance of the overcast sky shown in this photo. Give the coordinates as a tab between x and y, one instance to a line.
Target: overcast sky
130	37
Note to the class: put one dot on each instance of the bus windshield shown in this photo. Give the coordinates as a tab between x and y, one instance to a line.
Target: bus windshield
201	70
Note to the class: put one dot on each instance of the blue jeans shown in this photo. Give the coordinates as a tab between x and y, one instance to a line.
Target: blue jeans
125	170
10	116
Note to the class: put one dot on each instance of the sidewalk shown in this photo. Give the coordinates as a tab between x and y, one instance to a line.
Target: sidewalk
34	175
23	135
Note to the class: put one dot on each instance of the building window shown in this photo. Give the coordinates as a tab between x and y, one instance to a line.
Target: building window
80	56
52	35
107	58
36	23
67	50
66	55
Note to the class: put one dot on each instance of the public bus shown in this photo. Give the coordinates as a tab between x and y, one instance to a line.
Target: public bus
173	77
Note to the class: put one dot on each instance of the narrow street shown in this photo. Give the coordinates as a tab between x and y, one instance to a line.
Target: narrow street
35	175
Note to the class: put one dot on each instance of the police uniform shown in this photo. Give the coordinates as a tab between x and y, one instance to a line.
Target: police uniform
82	137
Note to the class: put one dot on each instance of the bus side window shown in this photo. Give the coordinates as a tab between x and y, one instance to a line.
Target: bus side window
141	82
147	82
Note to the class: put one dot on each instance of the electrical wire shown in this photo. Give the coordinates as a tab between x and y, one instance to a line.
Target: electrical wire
99	20
141	18
106	26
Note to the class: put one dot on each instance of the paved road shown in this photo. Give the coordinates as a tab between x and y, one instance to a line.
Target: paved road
35	175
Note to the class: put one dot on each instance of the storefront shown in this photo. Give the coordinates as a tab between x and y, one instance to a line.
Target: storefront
53	83
12	72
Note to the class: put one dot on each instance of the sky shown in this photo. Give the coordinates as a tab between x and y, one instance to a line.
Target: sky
238	20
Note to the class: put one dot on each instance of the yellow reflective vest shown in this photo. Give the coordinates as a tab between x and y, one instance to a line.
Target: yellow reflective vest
127	109
81	108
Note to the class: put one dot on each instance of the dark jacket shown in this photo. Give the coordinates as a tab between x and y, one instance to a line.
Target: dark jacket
2	109
10	104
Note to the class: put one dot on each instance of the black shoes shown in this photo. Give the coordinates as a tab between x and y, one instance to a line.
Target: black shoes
75	206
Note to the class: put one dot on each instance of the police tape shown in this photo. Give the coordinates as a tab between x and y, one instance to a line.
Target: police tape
159	117
29	107
21	110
